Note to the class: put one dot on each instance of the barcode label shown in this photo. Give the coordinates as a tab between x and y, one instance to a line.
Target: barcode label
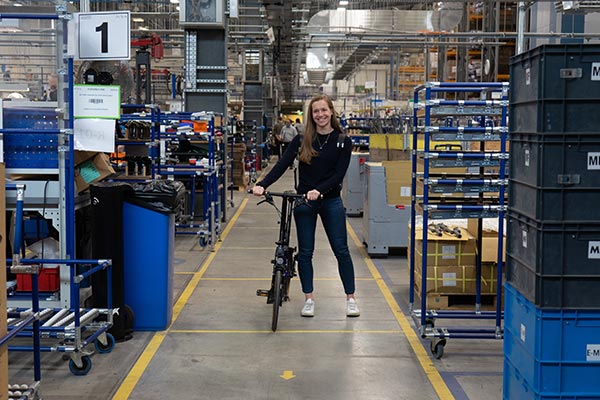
96	101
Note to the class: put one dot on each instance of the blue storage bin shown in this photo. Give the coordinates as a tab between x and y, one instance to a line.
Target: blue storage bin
148	239
549	353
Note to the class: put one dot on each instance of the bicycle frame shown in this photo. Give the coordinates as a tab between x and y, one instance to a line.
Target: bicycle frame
284	262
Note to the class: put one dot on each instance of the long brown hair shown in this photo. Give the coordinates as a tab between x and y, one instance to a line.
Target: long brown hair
307	152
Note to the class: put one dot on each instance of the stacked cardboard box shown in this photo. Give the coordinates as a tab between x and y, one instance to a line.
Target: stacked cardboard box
451	265
240	178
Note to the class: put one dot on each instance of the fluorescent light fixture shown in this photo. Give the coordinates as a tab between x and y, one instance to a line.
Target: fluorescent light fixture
137	19
343	2
17	4
143	28
174	1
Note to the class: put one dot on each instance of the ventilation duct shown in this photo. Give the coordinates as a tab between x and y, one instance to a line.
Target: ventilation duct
356	22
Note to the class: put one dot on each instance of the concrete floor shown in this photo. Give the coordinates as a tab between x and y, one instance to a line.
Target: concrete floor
220	345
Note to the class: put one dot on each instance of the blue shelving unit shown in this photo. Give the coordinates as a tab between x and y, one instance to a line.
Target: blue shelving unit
440	116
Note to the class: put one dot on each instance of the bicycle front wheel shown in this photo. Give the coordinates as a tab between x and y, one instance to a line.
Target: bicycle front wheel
277	297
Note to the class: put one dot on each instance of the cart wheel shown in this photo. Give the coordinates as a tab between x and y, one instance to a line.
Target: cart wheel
105	348
203	241
437	348
430	323
84	369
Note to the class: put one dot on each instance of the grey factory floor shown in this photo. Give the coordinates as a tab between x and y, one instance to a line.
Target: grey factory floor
220	345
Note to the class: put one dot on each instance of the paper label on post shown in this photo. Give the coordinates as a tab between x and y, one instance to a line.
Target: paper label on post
94	135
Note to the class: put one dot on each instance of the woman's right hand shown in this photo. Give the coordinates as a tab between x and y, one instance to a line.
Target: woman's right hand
258	190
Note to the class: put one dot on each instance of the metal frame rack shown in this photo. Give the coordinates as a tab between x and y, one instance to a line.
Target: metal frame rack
441	121
48	148
209	230
249	136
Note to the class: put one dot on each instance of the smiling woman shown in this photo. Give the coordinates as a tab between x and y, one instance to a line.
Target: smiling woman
324	153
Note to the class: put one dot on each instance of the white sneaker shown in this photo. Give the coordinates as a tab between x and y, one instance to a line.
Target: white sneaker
352	308
309	308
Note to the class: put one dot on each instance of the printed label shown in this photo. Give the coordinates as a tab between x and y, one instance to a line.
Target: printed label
527	156
592	352
449	279
593	161
596	71
449	252
594	250
524	239
528	76
405	191
523	333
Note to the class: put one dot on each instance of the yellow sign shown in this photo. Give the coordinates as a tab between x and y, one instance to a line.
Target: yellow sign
287	375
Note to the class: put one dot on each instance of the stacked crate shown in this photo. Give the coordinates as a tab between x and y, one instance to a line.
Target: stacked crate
240	178
552	305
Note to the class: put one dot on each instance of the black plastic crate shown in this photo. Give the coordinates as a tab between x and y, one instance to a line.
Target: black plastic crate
555	88
554	265
555	176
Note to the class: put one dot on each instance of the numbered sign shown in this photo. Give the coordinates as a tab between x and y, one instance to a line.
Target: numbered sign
103	35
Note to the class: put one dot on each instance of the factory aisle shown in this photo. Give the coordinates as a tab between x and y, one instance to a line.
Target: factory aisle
220	345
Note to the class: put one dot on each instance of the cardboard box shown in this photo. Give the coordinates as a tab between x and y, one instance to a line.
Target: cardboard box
457	279
398	181
447	250
489	241
91	169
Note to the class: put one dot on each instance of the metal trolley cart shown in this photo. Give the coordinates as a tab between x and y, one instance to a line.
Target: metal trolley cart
209	230
440	116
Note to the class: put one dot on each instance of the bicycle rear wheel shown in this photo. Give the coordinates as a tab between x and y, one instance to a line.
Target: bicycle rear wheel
277	297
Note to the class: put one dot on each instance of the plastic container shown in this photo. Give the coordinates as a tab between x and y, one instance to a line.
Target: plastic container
549	353
554	265
555	177
555	88
49	281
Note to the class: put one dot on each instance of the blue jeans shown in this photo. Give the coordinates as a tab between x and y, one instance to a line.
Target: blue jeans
333	217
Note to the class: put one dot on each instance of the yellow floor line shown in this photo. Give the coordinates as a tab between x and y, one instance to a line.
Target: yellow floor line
432	373
142	363
389	331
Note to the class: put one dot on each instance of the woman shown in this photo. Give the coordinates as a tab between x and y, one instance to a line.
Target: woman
323	157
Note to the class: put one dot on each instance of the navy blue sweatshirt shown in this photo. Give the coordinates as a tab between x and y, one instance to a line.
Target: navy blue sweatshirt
326	170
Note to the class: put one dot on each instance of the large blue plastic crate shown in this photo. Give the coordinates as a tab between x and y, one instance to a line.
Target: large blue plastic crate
552	89
30	150
549	353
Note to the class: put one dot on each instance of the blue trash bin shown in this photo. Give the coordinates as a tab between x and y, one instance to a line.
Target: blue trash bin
148	236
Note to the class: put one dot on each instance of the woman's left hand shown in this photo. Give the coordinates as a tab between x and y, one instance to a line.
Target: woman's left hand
313	195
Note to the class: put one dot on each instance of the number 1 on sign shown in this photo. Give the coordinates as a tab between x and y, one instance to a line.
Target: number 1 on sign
104	36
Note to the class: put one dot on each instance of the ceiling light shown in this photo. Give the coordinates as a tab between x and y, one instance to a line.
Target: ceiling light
174	1
343	2
143	28
17	4
137	19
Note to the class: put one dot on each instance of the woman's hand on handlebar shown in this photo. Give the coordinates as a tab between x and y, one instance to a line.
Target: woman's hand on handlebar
258	190
313	195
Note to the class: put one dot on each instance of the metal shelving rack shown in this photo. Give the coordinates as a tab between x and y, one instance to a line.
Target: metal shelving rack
437	118
48	148
208	230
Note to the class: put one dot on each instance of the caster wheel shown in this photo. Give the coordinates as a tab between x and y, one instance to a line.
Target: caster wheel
203	241
437	348
85	367
105	348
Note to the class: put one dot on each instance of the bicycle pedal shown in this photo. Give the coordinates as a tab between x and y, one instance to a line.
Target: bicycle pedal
262	293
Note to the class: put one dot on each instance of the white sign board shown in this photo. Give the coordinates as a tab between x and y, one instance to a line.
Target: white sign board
595	72
97	101
103	35
94	135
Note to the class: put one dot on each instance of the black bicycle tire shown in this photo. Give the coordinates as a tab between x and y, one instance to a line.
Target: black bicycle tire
277	298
